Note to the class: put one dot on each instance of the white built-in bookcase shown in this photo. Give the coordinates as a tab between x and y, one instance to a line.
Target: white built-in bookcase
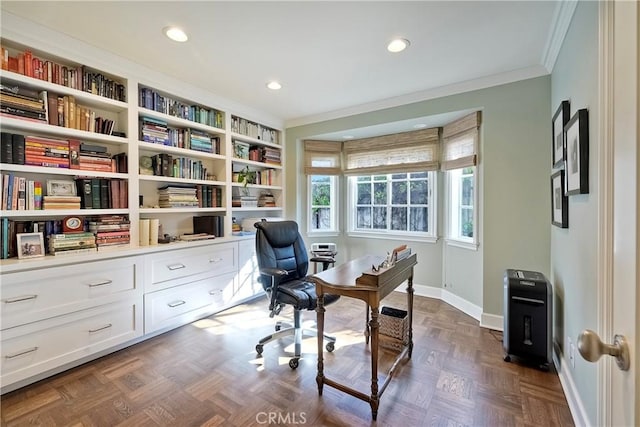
19	35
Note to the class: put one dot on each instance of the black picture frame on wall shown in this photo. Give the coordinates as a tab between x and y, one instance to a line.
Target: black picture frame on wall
577	153
558	143
559	201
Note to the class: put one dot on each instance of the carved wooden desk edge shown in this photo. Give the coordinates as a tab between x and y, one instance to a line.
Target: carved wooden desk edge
357	279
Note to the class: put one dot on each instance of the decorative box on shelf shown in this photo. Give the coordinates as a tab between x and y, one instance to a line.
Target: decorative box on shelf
394	328
249	201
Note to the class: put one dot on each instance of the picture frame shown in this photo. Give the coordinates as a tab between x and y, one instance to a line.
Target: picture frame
241	150
577	153
30	245
61	188
558	143
559	200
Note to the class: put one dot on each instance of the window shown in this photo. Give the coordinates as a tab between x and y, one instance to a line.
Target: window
393	204
323	204
462	223
460	156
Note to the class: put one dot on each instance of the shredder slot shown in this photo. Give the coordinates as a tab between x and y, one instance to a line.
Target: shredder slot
528	300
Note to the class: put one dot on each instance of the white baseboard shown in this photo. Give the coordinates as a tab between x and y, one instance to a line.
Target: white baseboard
568	386
492	321
462	304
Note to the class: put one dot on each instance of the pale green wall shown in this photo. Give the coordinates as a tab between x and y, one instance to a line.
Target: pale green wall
573	250
515	153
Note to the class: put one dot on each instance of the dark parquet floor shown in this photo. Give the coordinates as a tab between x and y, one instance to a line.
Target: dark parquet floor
207	374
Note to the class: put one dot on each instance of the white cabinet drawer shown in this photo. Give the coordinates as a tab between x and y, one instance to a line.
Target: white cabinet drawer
184	265
34	348
39	294
181	304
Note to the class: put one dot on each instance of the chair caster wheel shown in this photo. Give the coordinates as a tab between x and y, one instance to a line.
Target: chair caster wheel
330	347
507	358
293	363
259	349
278	327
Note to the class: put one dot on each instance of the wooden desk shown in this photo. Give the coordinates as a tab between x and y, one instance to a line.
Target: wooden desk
356	279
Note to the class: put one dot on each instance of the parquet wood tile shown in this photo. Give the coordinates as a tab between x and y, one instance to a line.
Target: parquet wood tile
207	374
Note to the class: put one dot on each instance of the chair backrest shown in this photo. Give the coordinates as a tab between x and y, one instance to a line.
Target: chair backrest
280	245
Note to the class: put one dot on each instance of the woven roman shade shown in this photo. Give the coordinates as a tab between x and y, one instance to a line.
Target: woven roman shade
415	151
322	157
461	142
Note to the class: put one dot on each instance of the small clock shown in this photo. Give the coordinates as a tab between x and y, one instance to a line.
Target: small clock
72	224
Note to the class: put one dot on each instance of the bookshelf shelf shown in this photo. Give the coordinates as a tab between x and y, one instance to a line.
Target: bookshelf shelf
181	181
276	209
20	126
254	141
264	187
160	211
60	171
59	213
179	122
159	148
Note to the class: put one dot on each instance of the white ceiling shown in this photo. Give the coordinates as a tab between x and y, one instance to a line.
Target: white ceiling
330	57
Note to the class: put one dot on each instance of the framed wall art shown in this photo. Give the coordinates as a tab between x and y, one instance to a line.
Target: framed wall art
559	201
30	245
560	119
577	153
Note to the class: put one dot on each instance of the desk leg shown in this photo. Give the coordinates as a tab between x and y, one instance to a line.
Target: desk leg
410	306
367	332
320	326
374	327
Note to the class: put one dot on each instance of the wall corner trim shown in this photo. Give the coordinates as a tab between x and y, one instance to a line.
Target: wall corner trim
576	406
559	26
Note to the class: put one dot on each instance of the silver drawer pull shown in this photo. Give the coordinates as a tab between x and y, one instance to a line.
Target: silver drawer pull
20	353
102	328
176	303
106	282
20	298
176	266
215	260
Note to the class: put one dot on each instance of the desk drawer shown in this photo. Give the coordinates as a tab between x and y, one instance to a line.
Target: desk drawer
36	295
182	304
35	348
176	267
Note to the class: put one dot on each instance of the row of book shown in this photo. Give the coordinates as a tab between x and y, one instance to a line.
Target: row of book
262	177
254	130
102	193
159	132
164	164
99	233
41	106
152	100
59	153
76	77
209	196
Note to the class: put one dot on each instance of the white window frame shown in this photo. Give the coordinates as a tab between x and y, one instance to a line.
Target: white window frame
430	237
334	194
454	187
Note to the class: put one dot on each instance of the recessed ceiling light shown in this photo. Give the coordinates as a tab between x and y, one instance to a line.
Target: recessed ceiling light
175	34
274	85
419	126
398	45
348	136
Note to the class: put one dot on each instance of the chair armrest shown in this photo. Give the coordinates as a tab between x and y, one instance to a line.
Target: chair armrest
322	259
277	273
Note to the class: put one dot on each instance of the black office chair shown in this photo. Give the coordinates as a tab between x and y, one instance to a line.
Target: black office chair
283	263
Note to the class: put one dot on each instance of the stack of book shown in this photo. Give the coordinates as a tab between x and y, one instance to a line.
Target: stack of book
111	231
267	200
271	155
45	151
154	131
72	243
199	141
178	197
22	103
90	157
60	202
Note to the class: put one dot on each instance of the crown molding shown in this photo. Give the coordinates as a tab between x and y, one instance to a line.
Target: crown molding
562	17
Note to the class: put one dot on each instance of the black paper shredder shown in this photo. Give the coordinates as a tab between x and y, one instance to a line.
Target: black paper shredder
527	334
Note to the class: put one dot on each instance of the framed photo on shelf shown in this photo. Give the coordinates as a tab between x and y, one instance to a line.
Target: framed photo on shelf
30	245
560	119
559	201
61	188
577	158
241	150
